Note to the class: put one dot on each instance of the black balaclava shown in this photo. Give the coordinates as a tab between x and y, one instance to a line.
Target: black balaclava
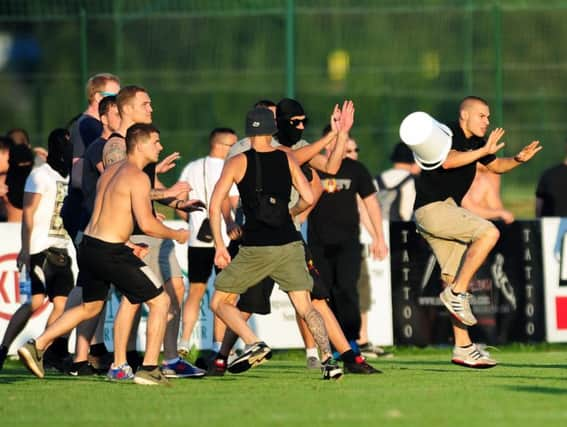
57	144
285	110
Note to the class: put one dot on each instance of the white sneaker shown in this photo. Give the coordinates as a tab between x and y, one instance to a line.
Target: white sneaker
473	357
458	305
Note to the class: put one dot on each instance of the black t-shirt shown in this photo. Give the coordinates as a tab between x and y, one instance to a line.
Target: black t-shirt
276	181
335	219
551	189
93	156
439	184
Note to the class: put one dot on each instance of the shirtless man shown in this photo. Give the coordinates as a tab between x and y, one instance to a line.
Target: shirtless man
123	195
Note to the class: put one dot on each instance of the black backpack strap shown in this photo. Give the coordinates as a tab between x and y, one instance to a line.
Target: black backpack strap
259	188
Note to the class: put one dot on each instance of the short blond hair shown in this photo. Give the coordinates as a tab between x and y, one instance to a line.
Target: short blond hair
97	83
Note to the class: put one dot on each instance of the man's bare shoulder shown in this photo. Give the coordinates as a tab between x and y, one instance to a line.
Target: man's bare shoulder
114	150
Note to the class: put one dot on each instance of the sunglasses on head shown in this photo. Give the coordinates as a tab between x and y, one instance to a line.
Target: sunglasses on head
103	93
297	122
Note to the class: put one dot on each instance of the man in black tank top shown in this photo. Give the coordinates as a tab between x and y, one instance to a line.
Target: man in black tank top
268	248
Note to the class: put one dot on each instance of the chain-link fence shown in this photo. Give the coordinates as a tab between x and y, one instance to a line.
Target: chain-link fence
206	62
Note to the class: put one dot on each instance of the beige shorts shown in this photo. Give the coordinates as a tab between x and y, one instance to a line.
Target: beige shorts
285	264
449	230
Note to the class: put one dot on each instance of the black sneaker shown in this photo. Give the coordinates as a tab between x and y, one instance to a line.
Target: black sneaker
217	367
360	366
255	355
3	355
82	369
32	358
331	369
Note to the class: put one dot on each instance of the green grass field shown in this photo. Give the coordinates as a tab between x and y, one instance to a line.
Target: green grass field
418	388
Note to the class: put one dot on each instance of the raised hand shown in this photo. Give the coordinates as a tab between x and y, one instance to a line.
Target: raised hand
347	116
492	146
335	118
168	163
528	152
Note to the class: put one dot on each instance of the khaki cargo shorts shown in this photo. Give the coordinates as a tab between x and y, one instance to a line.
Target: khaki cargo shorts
449	230
285	264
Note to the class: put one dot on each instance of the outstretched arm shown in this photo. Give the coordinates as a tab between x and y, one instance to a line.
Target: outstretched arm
142	210
505	164
456	159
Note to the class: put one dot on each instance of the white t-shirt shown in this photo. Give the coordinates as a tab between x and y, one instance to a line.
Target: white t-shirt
195	173
47	230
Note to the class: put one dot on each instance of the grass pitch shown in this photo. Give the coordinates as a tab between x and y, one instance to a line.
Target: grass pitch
418	388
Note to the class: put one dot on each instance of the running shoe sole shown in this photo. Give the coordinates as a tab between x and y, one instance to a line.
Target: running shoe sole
257	359
461	362
30	362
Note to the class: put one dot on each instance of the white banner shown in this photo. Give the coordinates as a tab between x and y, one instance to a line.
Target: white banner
279	329
554	248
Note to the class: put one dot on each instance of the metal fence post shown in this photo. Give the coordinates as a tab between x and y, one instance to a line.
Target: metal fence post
498	83
84	46
290	48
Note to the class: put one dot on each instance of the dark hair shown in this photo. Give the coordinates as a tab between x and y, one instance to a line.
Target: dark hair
137	132
471	98
11	132
218	131
105	104
126	95
5	143
401	154
264	103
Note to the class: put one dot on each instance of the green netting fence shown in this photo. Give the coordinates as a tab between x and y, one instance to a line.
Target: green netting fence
206	62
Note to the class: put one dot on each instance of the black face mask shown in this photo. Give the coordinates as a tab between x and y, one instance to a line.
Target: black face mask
58	145
58	164
288	134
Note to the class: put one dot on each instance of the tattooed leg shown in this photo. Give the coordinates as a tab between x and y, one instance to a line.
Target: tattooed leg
302	303
317	328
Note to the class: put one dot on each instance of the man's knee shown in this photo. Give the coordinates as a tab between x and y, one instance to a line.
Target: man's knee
491	234
91	309
220	298
160	302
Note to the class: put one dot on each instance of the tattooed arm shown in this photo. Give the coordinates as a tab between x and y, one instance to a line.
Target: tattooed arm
114	151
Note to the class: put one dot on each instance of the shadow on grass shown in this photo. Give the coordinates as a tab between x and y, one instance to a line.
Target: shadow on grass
536	389
534	365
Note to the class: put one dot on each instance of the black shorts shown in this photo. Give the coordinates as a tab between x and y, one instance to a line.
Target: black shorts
200	262
257	298
51	273
102	263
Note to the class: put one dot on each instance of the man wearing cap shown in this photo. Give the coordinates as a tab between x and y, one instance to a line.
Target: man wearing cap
269	248
461	240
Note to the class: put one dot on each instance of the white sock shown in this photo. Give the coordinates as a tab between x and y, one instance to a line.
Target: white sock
312	352
216	346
